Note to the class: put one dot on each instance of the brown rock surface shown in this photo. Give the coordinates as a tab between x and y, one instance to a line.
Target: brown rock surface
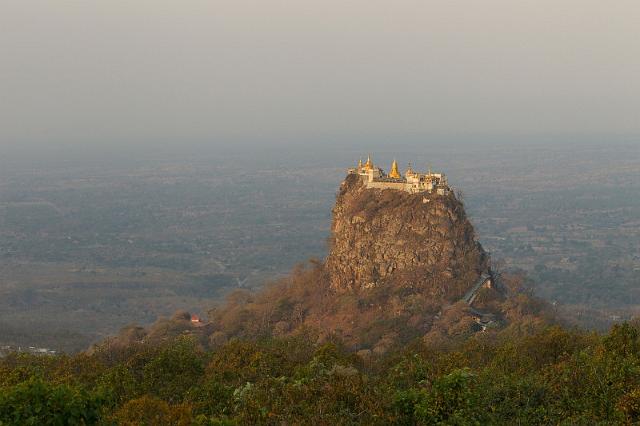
419	242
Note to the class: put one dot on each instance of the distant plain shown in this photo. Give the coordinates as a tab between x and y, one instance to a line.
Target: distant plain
89	245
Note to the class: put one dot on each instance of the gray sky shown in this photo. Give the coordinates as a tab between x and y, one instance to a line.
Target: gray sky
132	72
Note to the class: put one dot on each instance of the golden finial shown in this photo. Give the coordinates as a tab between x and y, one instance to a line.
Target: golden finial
360	163
368	165
394	170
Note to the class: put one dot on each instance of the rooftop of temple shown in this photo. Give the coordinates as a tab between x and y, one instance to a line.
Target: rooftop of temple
412	181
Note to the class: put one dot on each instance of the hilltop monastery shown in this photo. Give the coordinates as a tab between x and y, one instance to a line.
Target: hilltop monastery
412	181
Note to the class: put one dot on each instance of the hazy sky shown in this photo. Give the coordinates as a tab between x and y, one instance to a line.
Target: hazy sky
130	72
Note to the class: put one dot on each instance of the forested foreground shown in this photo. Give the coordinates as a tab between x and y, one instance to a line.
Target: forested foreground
549	376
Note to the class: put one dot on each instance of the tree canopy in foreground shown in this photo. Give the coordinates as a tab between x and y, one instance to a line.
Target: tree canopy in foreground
546	376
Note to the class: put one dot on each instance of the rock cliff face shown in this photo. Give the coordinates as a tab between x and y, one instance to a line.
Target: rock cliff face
411	242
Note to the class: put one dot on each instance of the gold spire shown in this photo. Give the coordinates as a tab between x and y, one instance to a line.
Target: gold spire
368	165
394	170
360	163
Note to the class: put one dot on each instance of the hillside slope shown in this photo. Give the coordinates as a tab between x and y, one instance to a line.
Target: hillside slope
400	266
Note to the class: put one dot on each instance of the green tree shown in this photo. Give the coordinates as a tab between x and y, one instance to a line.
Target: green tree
36	402
171	373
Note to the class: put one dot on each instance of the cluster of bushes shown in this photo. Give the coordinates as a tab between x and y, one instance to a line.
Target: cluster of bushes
550	376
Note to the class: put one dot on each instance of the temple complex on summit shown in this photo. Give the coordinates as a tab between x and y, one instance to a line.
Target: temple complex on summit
412	181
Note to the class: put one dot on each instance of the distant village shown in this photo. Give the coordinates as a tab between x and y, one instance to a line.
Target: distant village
7	349
412	181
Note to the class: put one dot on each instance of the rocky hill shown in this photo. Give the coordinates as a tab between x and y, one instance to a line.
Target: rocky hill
418	242
400	266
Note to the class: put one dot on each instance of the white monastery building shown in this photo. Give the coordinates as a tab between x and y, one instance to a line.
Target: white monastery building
412	181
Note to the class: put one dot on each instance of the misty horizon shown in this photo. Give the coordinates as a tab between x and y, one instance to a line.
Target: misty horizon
110	76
